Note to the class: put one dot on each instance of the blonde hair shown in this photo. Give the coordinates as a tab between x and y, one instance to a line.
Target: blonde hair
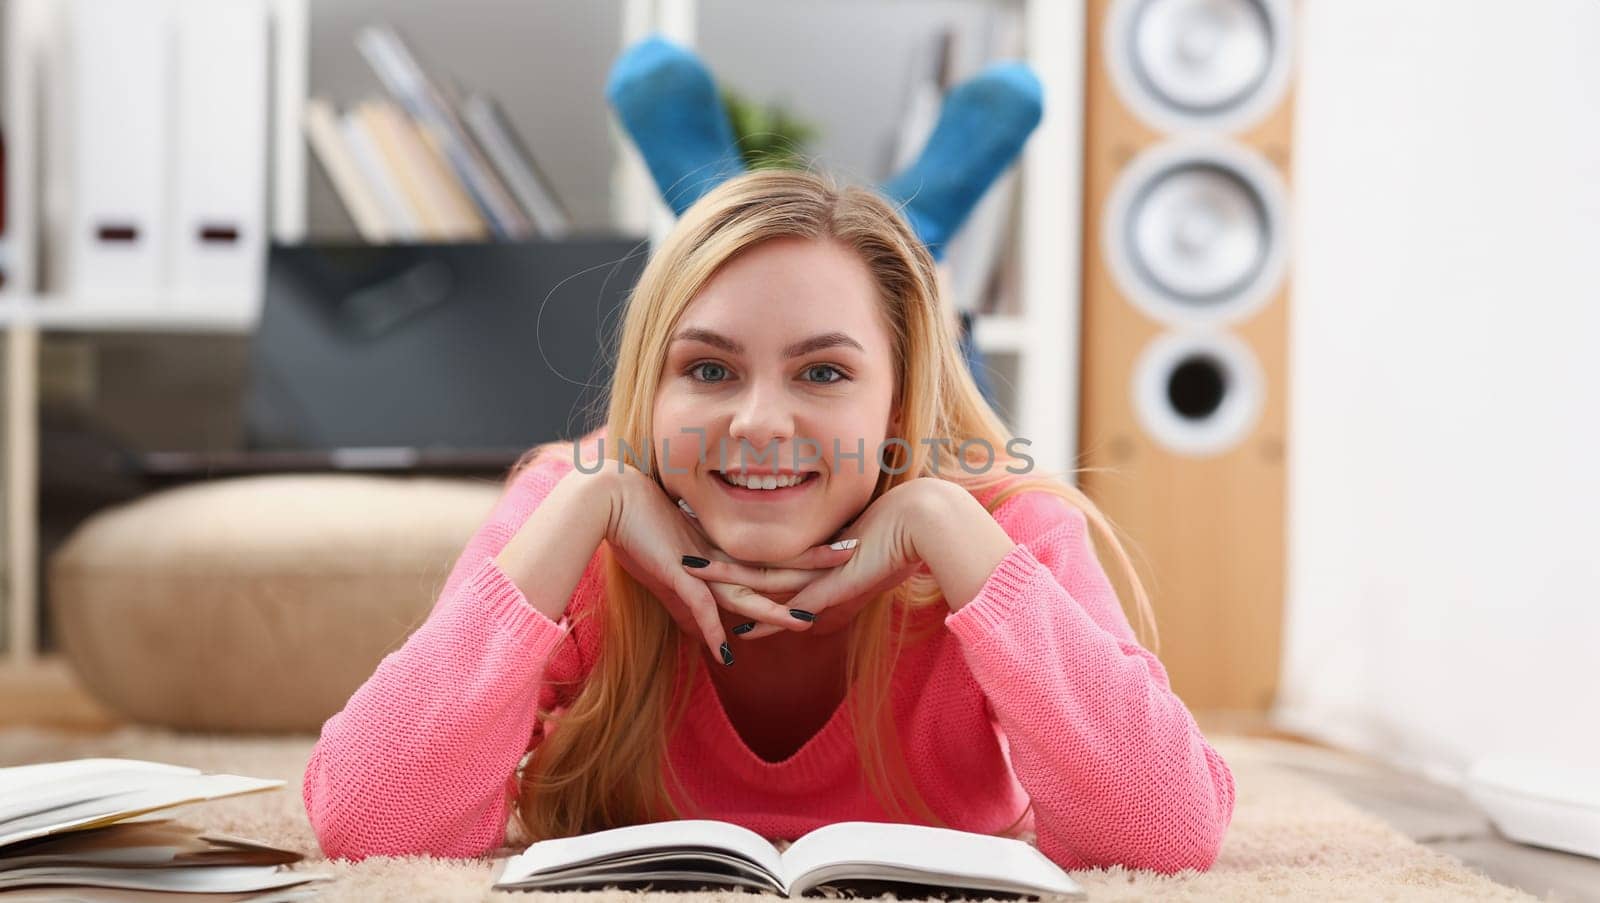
601	765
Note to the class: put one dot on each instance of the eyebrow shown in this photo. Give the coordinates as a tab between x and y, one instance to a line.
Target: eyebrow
802	347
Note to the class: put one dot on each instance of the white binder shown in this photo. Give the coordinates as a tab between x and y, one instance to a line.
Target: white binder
109	228
218	160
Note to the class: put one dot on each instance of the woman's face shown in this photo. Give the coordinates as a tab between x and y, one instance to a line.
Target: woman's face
783	364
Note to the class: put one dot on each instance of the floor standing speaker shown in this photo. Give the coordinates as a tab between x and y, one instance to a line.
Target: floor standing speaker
1185	297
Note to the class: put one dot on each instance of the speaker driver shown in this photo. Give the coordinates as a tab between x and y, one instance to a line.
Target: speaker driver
1198	393
1197	232
1213	64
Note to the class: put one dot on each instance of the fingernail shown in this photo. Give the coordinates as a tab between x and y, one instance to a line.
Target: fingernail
843	544
727	655
802	615
695	561
744	628
687	510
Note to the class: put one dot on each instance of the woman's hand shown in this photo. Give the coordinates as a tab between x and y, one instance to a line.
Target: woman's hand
731	580
886	556
650	536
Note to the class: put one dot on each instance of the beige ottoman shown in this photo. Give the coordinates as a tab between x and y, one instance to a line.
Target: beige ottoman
256	603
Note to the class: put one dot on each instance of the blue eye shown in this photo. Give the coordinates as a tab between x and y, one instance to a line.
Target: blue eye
828	368
700	366
719	373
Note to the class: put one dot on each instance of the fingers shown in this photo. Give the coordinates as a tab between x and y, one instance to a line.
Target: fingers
703	608
747	589
750	605
773	580
804	608
787	576
823	556
815	558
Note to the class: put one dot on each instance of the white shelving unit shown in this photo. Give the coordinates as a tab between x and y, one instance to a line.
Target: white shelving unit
1043	338
26	312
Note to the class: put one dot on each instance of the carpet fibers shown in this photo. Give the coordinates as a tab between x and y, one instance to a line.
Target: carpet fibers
1290	839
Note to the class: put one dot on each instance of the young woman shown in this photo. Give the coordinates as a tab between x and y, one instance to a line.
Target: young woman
796	464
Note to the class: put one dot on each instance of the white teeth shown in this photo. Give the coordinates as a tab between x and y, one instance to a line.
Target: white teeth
768	481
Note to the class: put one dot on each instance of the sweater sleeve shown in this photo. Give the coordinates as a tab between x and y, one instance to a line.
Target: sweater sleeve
1113	763
423	757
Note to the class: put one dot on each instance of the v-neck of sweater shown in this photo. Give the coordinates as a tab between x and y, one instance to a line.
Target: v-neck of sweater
817	763
816	759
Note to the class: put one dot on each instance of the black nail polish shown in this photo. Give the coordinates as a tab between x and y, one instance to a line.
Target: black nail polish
727	655
802	615
746	627
695	561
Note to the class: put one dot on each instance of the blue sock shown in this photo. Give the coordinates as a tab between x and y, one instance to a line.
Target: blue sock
982	126
669	104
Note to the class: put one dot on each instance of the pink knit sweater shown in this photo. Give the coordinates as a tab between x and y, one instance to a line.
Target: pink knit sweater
1036	690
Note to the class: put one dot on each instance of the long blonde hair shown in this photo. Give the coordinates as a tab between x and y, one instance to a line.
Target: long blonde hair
601	765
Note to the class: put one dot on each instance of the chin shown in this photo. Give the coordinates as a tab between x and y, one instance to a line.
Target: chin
757	549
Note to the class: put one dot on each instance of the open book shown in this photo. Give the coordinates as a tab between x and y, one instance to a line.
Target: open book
83	830
856	855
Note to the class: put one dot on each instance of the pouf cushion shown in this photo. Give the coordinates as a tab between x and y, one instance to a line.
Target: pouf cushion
256	603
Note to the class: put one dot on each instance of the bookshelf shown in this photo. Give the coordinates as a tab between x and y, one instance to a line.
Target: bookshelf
1039	341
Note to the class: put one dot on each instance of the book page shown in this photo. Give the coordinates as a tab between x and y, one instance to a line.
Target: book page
217	879
140	843
64	894
561	853
945	856
71	810
22	787
14	777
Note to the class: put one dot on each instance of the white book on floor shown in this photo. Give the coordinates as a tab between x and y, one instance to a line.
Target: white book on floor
37	800
64	894
84	826
858	855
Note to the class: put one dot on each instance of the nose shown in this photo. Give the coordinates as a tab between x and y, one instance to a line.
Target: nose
762	419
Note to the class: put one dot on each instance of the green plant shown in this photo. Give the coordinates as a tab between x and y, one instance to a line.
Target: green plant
768	136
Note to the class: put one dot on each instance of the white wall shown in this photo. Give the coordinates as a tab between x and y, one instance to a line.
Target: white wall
1445	401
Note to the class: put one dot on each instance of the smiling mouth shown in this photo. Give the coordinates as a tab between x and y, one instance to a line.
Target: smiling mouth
777	484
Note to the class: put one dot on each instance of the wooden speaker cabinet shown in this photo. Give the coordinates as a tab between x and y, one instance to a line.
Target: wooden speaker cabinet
1187	121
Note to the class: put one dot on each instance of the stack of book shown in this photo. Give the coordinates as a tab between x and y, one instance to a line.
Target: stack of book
427	164
83	830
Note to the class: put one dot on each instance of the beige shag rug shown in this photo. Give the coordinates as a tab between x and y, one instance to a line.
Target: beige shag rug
1290	840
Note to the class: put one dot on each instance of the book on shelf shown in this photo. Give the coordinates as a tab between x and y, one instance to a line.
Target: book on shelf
349	182
856	855
434	106
446	212
510	155
87	829
363	149
425	164
396	170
